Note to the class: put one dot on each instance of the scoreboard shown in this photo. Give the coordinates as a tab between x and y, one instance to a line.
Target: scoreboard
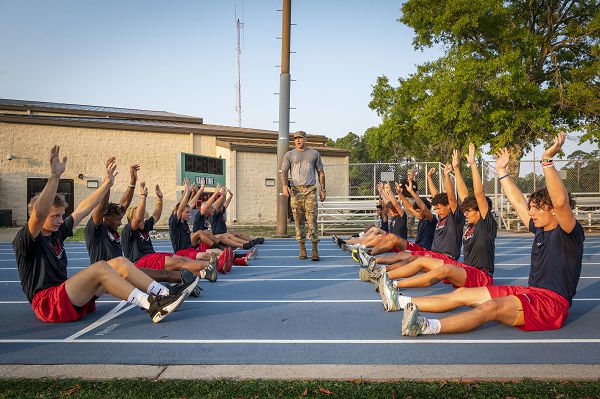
199	168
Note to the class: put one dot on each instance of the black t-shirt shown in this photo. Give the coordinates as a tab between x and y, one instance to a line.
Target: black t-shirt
425	232
383	224
556	259
405	192
398	226
42	261
101	243
200	222
217	222
137	244
179	230
479	243
448	234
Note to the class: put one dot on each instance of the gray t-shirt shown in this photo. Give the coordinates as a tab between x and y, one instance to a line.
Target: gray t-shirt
303	165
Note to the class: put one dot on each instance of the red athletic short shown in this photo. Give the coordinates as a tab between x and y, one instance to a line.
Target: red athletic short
411	246
433	254
188	252
542	309
153	261
53	305
475	277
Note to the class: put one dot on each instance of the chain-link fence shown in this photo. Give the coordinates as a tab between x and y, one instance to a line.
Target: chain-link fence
356	182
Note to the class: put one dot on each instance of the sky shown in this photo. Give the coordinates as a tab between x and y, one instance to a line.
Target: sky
180	56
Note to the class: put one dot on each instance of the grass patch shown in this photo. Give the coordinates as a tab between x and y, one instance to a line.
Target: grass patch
148	389
77	235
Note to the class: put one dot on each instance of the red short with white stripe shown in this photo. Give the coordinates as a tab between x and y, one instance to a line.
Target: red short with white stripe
153	261
411	246
189	252
542	309
53	305
433	254
475	277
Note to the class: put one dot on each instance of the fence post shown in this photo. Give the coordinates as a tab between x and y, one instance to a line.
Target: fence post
374	179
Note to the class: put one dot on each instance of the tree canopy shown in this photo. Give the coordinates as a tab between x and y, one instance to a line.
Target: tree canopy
513	73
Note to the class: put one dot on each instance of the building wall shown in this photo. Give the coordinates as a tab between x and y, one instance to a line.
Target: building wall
87	149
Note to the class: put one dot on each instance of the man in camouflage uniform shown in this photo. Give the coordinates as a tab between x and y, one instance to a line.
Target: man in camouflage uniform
304	162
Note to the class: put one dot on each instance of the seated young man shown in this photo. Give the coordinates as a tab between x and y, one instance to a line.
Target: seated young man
479	247
42	260
103	241
201	225
556	257
137	244
370	232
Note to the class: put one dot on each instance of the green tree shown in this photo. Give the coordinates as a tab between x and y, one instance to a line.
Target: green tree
513	73
353	143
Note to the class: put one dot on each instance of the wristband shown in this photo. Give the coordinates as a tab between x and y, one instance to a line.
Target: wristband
545	160
143	195
506	175
132	186
547	164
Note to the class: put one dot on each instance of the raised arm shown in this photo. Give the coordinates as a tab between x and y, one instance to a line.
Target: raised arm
432	188
86	206
128	194
449	189
194	200
391	198
42	206
407	205
221	200
482	203
184	200
159	204
98	212
556	188
210	201
229	198
420	203
461	187
514	195
140	212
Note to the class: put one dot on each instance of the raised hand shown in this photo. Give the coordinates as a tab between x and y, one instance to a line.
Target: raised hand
502	159
551	151
56	166
159	193
431	172
447	169
471	155
109	161
398	187
186	185
379	186
110	173
133	170
455	158
143	189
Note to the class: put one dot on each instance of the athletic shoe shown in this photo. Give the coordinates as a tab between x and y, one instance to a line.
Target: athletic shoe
211	269
247	245
353	247
186	278
222	260
251	255
363	257
368	275
344	247
389	294
413	323
260	240
161	306
185	288
372	263
241	262
355	255
334	239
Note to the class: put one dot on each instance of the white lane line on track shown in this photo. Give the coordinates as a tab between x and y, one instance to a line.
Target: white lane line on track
338	301
412	341
115	312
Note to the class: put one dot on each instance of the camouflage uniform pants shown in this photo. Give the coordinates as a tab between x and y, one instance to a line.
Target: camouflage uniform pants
304	204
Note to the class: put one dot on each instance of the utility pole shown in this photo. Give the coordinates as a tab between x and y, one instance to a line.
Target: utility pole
284	116
238	103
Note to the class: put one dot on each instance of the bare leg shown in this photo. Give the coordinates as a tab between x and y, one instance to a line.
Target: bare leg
178	263
168	276
82	287
390	241
472	297
421	263
503	309
455	274
129	272
394	258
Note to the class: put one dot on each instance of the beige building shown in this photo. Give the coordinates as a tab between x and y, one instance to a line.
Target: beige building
88	135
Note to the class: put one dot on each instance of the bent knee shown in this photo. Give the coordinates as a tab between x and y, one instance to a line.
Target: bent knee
121	265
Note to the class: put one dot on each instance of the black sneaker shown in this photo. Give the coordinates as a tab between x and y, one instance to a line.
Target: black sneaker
260	240
212	268
187	277
161	306
248	245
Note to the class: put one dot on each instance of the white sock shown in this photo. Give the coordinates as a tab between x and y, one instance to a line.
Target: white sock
202	273
138	298
432	326
404	300
157	289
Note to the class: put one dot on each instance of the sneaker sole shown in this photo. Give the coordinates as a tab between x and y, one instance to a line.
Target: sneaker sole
169	309
409	320
381	285
355	255
363	275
